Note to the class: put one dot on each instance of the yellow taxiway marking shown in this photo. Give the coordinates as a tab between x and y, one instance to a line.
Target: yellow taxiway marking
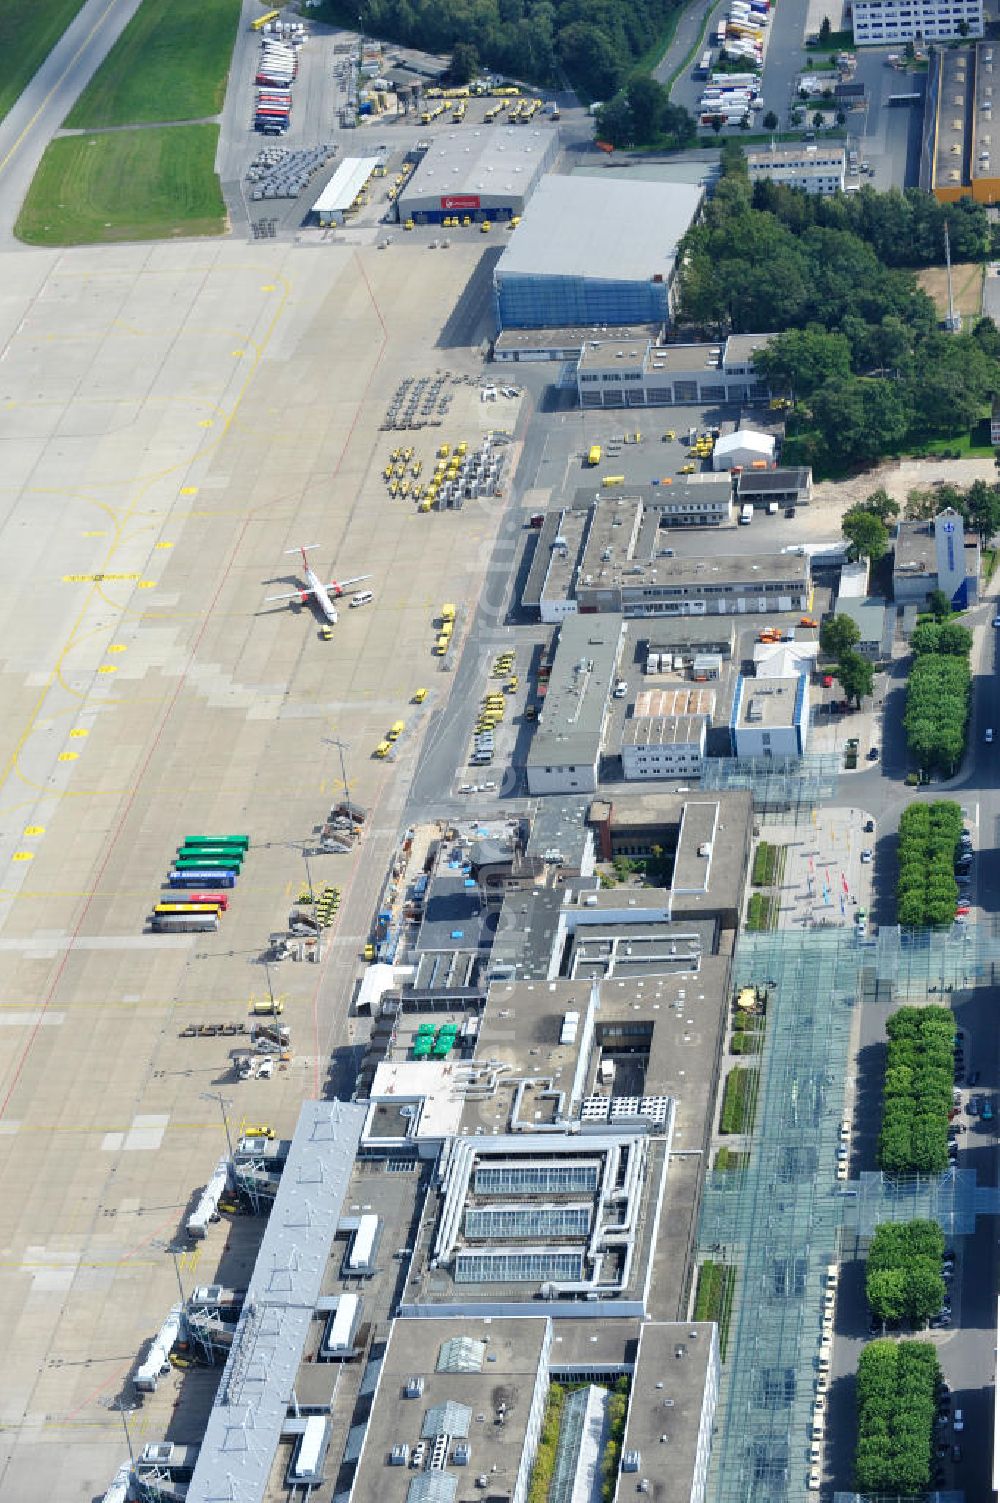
188	490
98	578
78	733
164	545
34	830
24	856
206	422
97	534
108	668
142	482
118	647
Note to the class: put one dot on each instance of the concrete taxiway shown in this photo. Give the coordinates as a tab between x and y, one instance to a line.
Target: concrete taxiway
172	419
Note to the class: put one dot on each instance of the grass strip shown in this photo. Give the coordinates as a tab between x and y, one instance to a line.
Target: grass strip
128	185
170	63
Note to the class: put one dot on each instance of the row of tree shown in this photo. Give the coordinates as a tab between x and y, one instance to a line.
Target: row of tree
979	506
592	45
903	1278
919	1076
938	696
904	228
861	355
926	891
897	1388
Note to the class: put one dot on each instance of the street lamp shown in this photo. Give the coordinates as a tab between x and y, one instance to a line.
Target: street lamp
223	1103
123	1410
341	746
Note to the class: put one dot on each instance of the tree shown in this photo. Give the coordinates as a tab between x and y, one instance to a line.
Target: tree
881	505
855	675
841	118
838	634
770	121
939	605
802	360
818	120
825	29
954	639
983	502
646	101
866	534
464	63
716	123
614	122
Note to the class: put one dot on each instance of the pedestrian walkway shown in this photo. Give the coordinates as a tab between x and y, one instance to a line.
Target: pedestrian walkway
824	882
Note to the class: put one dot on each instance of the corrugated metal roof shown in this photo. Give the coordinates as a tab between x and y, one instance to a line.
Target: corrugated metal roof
612	231
345	185
244	1426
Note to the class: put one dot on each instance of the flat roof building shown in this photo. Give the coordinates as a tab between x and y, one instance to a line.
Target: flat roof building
784	487
936	555
665	737
591	252
770	717
640	373
516	346
487	174
565	750
882	23
425	1440
636	576
813	167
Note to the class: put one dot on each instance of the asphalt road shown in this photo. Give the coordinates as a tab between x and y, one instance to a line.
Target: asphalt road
48	98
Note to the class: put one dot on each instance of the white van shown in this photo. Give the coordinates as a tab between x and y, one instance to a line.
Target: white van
746	514
363	597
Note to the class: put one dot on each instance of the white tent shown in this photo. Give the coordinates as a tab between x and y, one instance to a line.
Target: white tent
743	448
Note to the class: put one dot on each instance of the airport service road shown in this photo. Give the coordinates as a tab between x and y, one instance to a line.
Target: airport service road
48	98
173	419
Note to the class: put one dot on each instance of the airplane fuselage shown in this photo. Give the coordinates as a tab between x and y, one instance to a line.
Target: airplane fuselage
321	595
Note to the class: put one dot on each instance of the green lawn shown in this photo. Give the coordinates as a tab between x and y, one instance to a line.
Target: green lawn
29	29
127	185
170	63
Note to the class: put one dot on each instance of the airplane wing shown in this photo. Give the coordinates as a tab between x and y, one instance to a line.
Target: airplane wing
292	595
341	584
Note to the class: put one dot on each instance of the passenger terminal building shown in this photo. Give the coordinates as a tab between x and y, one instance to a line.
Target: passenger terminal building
589	254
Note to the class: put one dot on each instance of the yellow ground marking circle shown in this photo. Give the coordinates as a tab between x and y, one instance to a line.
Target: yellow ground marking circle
34	829
68	756
76	735
24	855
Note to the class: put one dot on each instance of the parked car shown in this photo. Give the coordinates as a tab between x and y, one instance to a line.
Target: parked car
866	857
987	1112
